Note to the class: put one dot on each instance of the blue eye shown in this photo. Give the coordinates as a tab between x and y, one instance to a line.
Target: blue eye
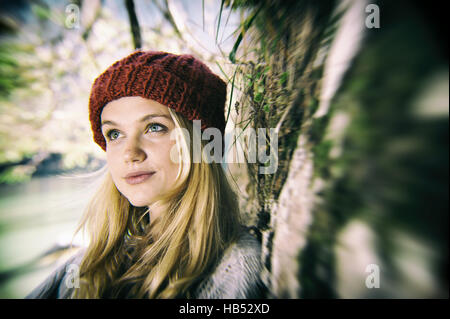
113	135
155	127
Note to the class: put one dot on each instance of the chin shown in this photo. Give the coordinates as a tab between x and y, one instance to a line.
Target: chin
139	202
136	199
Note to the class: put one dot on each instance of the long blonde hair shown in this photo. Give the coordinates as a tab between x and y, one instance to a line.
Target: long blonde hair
130	256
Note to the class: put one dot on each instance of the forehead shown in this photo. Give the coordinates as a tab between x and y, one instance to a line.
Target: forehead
132	106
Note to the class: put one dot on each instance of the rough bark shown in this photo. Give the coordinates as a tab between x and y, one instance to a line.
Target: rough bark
350	184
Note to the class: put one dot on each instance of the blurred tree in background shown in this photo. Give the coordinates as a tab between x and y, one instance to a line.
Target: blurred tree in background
360	112
362	120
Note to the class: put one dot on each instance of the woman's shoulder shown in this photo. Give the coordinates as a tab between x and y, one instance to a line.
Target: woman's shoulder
237	275
245	251
55	286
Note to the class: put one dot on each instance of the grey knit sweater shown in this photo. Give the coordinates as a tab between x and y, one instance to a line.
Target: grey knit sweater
237	275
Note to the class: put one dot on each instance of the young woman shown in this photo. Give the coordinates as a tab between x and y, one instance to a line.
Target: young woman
162	225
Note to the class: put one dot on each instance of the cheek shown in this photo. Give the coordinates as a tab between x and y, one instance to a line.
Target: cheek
112	162
170	166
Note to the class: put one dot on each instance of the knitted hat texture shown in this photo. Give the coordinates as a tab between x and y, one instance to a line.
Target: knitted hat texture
180	82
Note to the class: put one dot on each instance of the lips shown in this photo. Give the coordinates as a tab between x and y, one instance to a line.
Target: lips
138	177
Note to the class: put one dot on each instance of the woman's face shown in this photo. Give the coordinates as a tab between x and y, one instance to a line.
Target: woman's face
138	145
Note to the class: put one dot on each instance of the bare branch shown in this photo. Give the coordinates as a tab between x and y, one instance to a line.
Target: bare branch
134	23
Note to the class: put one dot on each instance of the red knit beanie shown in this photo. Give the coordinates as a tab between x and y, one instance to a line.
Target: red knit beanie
180	82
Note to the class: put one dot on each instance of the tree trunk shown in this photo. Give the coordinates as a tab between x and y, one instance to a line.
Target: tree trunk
345	209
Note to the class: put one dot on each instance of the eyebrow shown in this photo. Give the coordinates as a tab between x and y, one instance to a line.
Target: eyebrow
143	119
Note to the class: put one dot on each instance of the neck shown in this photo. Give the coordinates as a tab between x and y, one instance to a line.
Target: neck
156	211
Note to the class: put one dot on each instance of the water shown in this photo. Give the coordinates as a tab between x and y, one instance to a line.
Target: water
34	217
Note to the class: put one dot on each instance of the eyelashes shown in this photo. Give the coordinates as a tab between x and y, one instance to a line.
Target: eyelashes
153	125
114	134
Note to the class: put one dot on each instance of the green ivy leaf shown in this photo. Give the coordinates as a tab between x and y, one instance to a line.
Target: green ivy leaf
283	78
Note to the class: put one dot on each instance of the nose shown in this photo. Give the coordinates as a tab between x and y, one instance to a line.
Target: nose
134	153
